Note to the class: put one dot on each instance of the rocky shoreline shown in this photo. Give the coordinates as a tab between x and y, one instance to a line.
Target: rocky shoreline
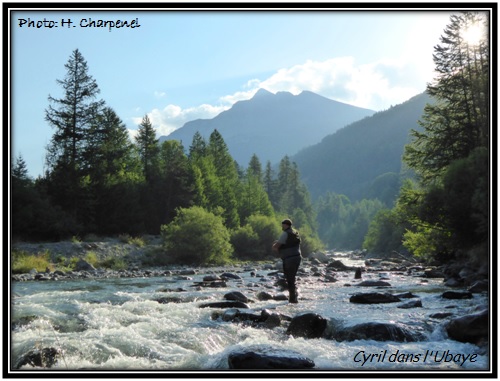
319	267
455	274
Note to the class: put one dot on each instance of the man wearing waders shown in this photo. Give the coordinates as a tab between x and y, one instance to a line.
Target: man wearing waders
288	247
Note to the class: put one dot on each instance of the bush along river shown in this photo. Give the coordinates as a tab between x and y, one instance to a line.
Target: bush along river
353	315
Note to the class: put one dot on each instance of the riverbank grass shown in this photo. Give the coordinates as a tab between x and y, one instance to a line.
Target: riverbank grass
23	262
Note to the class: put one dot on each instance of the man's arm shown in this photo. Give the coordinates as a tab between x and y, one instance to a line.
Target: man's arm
276	246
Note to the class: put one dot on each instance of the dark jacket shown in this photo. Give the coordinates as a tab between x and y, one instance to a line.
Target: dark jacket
292	246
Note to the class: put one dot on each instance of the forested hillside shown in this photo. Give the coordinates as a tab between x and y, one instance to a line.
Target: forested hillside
363	159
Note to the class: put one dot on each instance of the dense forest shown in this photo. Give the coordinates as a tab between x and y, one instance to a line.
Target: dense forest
210	209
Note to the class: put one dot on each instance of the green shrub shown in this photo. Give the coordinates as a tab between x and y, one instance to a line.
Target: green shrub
137	241
156	257
114	263
91	257
427	243
23	262
197	237
310	241
72	262
254	240
245	242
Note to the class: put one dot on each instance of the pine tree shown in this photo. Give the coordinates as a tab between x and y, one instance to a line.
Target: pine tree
270	185
255	168
448	210
198	146
20	171
109	152
458	122
227	173
177	188
148	147
71	116
112	171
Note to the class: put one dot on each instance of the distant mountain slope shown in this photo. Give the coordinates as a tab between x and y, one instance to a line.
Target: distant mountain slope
273	125
351	159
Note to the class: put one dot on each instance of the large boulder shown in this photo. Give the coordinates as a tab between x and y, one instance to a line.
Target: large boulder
320	257
339	266
264	357
308	325
230	276
44	358
470	328
457	295
228	304
83	265
236	295
264	296
378	332
479	286
373	298
411	304
266	319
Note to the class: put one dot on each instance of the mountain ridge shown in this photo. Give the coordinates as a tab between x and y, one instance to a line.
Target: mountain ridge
351	160
273	125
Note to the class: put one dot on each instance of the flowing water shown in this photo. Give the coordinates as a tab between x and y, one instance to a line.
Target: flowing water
118	324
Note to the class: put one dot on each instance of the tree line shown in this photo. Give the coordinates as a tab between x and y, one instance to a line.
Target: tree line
443	212
99	181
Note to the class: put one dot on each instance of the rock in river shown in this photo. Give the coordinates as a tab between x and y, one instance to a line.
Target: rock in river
374	298
263	357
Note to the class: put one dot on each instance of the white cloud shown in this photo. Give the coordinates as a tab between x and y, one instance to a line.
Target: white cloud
172	117
376	86
370	86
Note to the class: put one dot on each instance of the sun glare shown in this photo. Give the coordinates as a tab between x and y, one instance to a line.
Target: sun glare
473	34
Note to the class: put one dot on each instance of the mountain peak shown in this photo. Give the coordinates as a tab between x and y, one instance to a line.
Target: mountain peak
262	93
273	125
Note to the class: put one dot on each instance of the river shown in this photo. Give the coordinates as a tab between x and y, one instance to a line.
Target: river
117	324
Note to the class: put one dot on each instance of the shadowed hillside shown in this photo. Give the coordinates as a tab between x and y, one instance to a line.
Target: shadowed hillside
365	154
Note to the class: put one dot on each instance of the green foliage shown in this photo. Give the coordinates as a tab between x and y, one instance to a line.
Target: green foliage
71	117
267	229
342	224
448	210
197	237
137	241
385	233
92	258
459	121
253	199
427	243
246	244
465	185
310	242
113	263
216	177
175	187
148	148
23	262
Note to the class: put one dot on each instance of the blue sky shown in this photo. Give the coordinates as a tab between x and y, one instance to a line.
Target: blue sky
179	66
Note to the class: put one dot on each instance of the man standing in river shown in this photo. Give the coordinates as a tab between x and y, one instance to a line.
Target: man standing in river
288	247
